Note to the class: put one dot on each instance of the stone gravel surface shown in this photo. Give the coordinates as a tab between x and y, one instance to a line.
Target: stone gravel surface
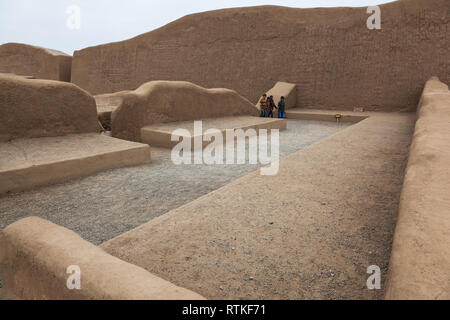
107	204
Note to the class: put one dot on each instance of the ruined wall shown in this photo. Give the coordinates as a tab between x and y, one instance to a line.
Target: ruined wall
335	60
169	101
41	63
35	255
44	108
420	259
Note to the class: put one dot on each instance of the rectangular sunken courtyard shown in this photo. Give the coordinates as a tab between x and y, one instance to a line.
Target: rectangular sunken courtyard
107	204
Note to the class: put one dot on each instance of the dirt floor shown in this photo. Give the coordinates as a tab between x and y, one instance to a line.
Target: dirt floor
309	232
226	232
105	205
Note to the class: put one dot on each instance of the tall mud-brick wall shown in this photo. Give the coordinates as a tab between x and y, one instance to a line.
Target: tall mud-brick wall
330	53
36	62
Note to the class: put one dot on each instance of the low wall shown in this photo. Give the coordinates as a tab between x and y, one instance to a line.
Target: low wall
41	63
172	101
420	260
35	255
44	108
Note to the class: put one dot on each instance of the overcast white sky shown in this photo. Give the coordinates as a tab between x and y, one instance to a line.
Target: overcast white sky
44	22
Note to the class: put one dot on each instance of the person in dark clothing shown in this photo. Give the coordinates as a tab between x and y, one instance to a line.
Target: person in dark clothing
270	106
281	107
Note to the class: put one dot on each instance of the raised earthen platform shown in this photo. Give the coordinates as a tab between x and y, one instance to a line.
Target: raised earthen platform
160	134
309	232
34	162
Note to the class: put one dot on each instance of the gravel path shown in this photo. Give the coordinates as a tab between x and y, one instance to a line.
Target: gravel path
107	204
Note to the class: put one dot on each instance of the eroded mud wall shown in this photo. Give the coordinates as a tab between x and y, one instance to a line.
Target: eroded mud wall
335	60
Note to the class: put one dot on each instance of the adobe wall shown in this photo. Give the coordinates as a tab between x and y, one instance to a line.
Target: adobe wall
420	259
44	108
41	63
35	255
170	101
329	53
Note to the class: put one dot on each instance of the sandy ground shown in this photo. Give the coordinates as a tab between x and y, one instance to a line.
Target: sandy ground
105	205
309	232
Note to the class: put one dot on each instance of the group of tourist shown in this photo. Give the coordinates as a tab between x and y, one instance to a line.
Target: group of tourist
267	105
